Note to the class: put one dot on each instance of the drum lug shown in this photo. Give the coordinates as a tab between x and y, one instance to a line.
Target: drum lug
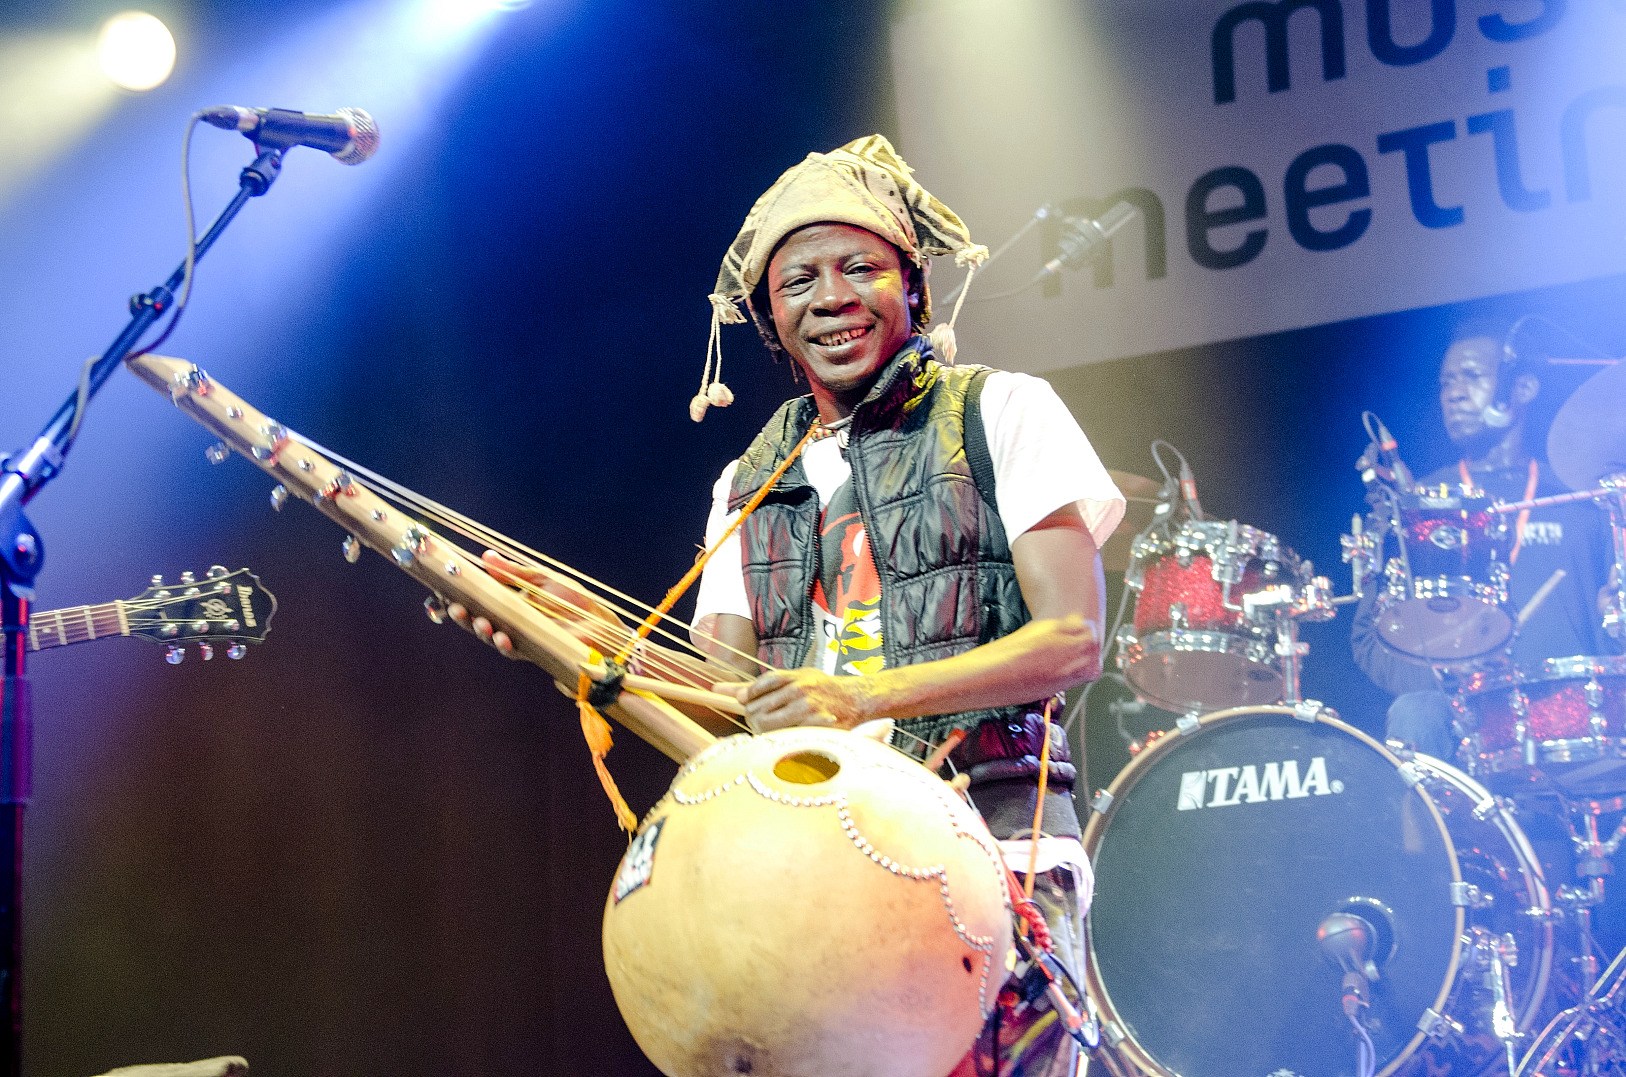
1187	723
1394	580
1308	710
1102	801
1469	896
1594	705
1114	1033
1437	1026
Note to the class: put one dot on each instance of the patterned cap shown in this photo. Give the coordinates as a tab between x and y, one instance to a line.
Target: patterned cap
865	184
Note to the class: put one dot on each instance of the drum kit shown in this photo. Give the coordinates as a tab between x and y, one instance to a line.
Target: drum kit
1278	893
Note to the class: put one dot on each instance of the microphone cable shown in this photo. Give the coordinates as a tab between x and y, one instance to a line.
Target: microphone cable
82	399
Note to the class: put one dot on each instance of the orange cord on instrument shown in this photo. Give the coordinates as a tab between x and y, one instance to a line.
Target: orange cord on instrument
680	587
596	731
1038	807
1028	912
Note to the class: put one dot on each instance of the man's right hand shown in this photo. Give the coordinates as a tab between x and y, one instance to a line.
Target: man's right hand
561	598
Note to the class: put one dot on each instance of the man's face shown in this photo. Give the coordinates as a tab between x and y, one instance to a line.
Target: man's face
1468	385
837	294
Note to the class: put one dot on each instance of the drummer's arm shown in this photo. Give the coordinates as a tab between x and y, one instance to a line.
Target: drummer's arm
1389	671
1059	574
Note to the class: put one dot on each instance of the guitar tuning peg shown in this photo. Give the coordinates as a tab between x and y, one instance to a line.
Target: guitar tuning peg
279	494
174	654
217	453
157	580
187	579
435	608
217	571
236	651
206	650
352	549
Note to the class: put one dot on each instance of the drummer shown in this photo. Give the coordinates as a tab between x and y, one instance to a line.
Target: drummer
1486	392
888	574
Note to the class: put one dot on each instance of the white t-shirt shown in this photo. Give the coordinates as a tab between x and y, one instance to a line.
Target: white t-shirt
1042	462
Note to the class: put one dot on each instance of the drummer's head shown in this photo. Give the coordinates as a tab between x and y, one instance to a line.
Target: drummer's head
1477	375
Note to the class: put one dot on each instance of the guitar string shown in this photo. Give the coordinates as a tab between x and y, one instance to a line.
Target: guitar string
515	550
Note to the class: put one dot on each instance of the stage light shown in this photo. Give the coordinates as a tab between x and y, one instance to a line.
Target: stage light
136	50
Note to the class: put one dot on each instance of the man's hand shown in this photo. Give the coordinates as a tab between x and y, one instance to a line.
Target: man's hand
576	610
793	697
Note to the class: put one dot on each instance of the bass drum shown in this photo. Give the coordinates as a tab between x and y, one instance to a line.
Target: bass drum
1223	849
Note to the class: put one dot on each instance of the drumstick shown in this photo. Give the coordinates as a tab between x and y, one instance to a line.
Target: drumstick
1540	596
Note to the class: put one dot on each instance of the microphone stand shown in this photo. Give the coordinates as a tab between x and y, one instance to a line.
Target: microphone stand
22	554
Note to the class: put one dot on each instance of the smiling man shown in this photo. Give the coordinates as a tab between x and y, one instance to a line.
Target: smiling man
930	556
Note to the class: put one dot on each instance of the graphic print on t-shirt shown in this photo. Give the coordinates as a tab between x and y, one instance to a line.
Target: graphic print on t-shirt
847	596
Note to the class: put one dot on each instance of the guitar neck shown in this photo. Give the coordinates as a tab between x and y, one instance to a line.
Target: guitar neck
76	624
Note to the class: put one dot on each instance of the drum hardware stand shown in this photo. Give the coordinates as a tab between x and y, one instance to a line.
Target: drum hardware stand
1495	955
1290	604
1592	865
22	555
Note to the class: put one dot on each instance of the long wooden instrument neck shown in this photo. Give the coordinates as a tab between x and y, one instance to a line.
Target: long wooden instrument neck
440	565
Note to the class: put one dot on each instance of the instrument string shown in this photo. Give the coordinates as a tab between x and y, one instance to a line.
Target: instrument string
668	663
694	668
513	549
516	551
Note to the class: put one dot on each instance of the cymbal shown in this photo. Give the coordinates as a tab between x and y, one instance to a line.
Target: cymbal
1588	436
1141	493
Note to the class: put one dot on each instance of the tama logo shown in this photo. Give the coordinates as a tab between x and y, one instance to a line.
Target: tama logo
1225	786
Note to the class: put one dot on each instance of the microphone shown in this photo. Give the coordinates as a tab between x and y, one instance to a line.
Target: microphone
1348	941
1498	414
1081	236
349	134
1188	490
1386	447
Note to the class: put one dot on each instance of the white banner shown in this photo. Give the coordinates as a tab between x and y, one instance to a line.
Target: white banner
1296	162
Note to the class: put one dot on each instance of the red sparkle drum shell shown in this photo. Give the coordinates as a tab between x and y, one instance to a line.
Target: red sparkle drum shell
1189	649
1445	596
1221	850
1560	698
1167	582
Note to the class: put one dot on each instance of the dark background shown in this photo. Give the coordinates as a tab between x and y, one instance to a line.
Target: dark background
375	846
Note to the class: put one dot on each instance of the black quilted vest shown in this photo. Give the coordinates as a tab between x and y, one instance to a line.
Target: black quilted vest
947	581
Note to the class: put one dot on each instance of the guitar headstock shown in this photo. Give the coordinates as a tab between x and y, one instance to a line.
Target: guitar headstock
229	608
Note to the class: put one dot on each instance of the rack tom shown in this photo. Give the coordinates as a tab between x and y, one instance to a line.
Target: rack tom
1444	594
1196	644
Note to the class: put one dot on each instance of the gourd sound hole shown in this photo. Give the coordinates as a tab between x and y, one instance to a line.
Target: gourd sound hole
806	768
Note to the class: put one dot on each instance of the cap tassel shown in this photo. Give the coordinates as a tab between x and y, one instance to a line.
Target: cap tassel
712	390
944	345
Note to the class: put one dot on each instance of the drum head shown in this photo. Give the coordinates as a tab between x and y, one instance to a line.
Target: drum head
1184	670
1219	857
1444	628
